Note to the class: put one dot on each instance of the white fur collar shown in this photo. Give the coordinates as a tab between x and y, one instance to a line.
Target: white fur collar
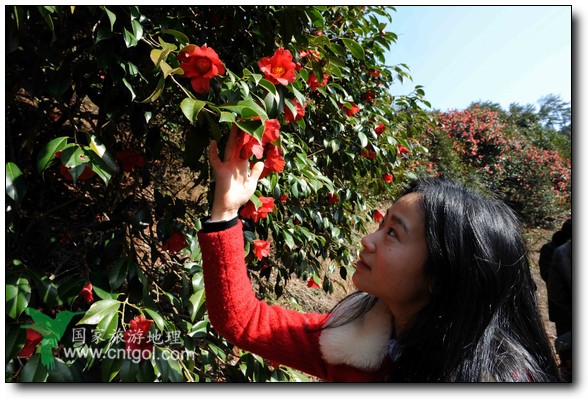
361	343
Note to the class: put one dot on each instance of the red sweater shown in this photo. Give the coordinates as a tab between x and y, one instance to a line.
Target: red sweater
277	334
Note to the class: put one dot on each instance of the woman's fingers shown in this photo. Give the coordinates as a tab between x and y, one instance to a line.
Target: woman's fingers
256	171
231	143
215	161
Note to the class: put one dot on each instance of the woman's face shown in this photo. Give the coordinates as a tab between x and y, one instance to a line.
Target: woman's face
391	265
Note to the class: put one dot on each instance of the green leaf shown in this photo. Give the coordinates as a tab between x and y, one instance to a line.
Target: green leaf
130	40
169	368
111	17
128	370
269	86
191	108
227	117
354	47
102	294
130	88
75	160
168	70
315	18
99	310
363	139
196	302
61	373
47	154
159	322
182	38
100	150
137	29
47	289
108	326
18	295
34	371
118	274
337	49
16	187
157	92
254	128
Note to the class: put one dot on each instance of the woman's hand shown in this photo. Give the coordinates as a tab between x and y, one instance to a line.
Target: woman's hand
235	184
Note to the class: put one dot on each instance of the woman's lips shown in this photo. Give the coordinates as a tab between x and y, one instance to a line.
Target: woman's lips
362	265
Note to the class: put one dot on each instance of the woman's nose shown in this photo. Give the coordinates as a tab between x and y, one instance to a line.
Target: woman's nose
367	242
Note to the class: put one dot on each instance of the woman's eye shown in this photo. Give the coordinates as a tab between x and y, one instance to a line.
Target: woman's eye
392	233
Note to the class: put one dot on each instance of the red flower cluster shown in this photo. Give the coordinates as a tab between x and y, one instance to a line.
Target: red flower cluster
136	337
380	129
200	64
369	96
33	339
300	111
374	73
312	284
369	152
130	160
176	242
311	54
261	248
402	150
87	294
351	111
65	171
313	82
378	216
388	178
249	211
274	160
332	198
279	68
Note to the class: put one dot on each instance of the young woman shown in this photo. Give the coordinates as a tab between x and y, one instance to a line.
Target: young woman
444	292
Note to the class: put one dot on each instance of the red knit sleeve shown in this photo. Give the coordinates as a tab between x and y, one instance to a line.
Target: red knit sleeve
274	333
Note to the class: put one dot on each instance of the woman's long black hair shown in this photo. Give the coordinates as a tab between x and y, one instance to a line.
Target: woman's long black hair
482	322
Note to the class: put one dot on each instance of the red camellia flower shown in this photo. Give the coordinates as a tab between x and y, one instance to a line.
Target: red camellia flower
310	53
274	161
369	96
374	73
313	82
136	336
200	64
176	242
279	68
351	111
312	284
247	145
380	129
33	340
369	152
271	131
332	198
87	293
388	178
261	248
402	149
249	211
130	160
283	198
65	172
378	216
288	117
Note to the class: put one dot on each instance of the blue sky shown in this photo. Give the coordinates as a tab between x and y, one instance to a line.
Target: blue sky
503	54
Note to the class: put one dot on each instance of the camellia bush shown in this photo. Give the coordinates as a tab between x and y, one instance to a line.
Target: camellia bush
481	148
110	111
